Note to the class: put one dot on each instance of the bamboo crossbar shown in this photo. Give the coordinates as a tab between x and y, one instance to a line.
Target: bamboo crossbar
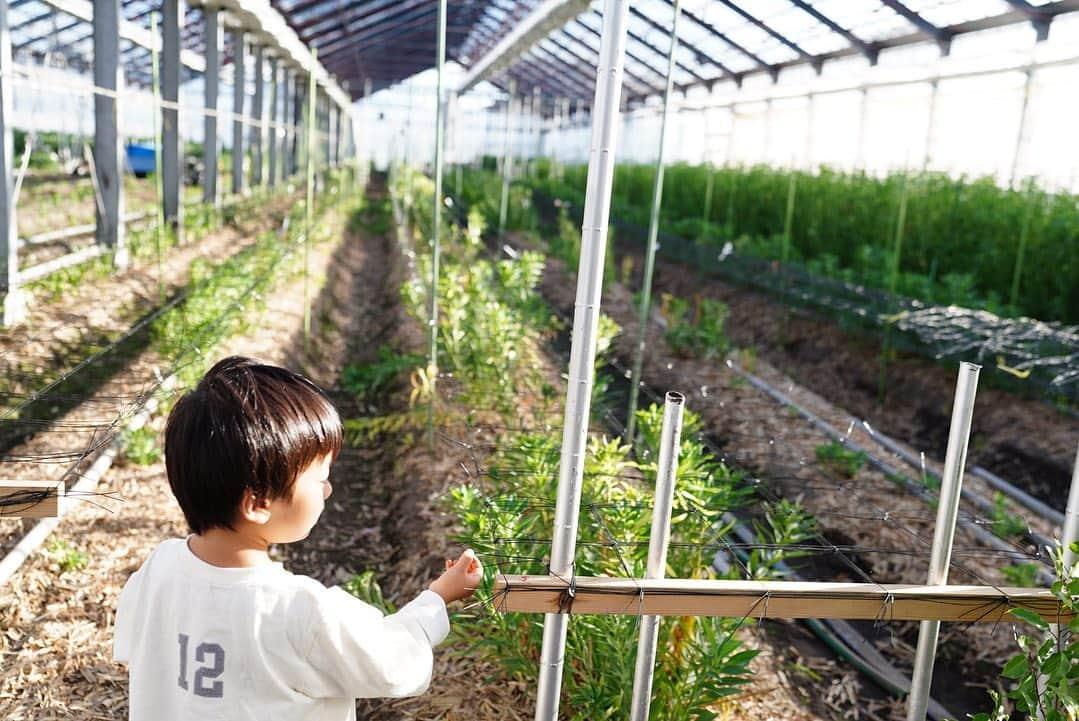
771	599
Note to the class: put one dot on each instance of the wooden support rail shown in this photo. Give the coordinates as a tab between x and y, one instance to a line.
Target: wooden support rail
772	599
30	499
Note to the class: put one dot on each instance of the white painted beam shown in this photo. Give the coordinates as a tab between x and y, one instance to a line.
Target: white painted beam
259	18
547	16
84	10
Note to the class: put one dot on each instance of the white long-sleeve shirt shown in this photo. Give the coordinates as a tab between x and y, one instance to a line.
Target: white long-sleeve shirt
238	644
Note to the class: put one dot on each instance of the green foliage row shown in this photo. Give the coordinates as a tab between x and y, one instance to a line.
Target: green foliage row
490	325
960	242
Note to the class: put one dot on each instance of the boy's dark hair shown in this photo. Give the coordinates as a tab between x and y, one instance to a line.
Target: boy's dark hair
246	425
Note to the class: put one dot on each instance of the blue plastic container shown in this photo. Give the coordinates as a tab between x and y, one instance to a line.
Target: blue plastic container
140	158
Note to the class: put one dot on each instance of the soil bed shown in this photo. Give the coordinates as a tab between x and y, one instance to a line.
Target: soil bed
1026	441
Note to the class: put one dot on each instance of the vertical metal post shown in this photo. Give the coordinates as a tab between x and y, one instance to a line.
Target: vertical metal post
14	299
172	147
586	312
863	113
653	232
335	135
211	142
811	113
239	90
436	226
1070	532
257	129
159	233
299	100
934	92
312	98
951	483
1020	136
108	150
273	135
767	129
507	163
292	115
658	540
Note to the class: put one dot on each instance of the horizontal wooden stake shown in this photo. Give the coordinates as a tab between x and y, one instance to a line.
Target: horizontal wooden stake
771	599
30	499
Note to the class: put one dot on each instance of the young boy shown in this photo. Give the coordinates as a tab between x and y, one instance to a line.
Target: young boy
210	627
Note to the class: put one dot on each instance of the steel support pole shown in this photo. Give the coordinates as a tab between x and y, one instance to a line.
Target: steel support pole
507	162
951	483
934	92
658	541
108	149
309	159
863	113
299	99
172	148
436	226
1020	136
1070	532
288	140
257	129
273	135
14	299
239	90
653	233
211	140
606	117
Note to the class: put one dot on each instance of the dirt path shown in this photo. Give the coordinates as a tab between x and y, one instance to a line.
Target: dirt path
55	652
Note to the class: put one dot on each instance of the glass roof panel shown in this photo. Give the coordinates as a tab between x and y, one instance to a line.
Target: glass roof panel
870	21
943	13
745	33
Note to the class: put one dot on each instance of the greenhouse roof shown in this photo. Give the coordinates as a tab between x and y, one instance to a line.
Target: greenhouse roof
377	43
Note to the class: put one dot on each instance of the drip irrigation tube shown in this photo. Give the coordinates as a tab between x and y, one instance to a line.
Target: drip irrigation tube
987	538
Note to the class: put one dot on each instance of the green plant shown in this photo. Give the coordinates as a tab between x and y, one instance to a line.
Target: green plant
364	587
67	556
1045	671
698	333
840	459
1002	522
1022	575
140	446
369	380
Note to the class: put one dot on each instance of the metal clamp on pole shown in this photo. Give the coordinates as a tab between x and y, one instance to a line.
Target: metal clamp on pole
658	540
947	514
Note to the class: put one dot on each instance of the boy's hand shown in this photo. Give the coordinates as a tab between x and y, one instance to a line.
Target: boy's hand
461	578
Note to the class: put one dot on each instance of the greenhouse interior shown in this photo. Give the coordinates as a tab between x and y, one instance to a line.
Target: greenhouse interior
539	359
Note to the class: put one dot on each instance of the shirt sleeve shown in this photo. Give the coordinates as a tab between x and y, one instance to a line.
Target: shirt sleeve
355	652
123	638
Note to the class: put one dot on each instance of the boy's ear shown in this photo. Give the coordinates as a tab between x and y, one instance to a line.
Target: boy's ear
254	509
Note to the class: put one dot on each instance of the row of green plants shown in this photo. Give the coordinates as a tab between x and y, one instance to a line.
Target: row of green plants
490	329
963	241
1044	674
